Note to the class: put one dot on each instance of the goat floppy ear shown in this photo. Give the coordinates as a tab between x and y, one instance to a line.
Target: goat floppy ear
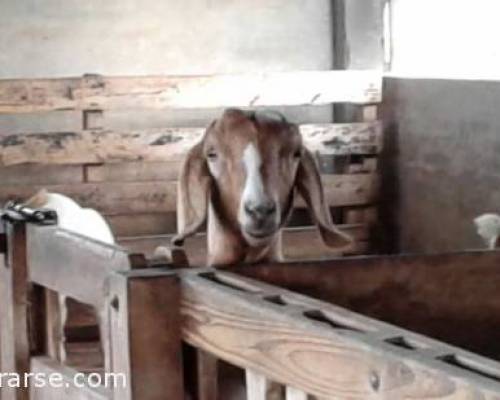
308	184
192	195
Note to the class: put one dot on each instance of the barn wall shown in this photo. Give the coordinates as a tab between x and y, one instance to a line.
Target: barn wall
443	165
441	104
53	38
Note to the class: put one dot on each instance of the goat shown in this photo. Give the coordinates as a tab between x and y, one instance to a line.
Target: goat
70	216
241	179
488	227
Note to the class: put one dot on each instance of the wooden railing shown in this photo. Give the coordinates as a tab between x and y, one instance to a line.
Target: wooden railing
308	346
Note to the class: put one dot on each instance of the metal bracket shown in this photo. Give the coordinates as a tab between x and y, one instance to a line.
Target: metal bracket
17	212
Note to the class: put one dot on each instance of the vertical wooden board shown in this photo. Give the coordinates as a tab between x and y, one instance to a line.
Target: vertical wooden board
14	338
207	376
145	336
295	394
257	385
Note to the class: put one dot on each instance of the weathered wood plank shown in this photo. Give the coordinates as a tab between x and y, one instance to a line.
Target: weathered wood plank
142	224
134	172
452	297
14	313
298	244
76	266
258	89
35	174
113	198
146	337
287	341
166	144
47	367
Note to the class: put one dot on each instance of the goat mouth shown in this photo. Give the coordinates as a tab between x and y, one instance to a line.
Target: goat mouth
259	235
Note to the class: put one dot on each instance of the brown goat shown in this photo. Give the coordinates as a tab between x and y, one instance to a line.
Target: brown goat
241	179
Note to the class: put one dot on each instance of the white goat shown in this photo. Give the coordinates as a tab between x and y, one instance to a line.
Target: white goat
72	217
488	227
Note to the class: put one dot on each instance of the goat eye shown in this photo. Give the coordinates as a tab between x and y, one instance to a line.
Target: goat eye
297	154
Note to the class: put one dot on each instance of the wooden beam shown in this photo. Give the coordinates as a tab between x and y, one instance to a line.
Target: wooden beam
75	266
14	311
451	297
166	144
146	337
258	89
46	367
286	341
115	198
298	244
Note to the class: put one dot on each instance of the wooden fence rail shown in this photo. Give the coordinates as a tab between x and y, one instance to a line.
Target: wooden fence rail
105	93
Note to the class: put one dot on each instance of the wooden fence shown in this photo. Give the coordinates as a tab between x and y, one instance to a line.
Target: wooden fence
309	346
130	175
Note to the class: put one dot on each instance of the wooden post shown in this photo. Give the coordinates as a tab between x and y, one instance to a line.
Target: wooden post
14	335
145	336
257	385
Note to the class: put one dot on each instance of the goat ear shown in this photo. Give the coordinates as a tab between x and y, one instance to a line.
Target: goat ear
308	184
192	195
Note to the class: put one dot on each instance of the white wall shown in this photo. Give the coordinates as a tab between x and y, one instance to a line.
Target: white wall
50	38
446	39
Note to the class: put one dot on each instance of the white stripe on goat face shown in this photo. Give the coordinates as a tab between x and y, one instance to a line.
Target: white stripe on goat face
253	192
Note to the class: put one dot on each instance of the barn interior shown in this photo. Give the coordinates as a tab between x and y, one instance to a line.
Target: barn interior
422	165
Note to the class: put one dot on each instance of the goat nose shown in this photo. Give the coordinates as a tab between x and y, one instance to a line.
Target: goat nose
260	210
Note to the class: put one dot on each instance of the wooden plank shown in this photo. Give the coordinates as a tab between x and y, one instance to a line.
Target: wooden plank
166	144
295	394
115	198
34	174
286	342
68	391
142	224
250	90
75	266
207	376
146	337
14	313
452	297
298	244
134	172
257	385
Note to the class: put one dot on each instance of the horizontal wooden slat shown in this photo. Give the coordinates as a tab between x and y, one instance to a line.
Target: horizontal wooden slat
113	198
136	171
33	174
298	244
45	367
166	144
319	348
71	264
143	224
258	89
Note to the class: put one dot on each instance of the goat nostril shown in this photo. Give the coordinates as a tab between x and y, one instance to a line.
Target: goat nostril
260	210
266	209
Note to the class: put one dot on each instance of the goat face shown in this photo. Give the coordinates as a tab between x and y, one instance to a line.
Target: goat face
247	167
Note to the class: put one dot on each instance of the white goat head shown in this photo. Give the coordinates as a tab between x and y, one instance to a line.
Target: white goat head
488	227
243	176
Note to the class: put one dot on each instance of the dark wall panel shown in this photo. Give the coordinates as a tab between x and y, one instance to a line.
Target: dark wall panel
442	161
